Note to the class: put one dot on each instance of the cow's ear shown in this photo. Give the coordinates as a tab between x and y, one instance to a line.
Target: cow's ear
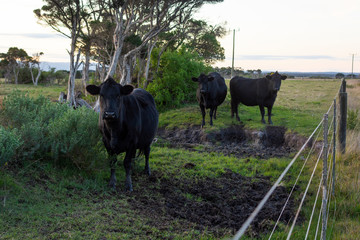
127	89
93	89
210	78
194	79
283	77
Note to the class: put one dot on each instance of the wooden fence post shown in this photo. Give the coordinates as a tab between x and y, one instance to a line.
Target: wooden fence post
334	149
324	182
342	117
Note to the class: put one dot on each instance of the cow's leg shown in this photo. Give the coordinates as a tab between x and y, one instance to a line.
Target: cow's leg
262	111
202	107
215	111
127	166
112	182
269	115
234	107
211	115
147	154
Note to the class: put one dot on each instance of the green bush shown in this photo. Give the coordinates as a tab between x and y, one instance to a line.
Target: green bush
353	121
53	131
173	85
10	143
75	137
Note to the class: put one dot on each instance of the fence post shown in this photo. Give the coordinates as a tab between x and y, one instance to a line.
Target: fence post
342	117
324	183
334	149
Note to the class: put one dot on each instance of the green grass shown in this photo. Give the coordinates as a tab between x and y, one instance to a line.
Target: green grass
300	106
52	92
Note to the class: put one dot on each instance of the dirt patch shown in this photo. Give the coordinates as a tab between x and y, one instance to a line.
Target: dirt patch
219	205
236	141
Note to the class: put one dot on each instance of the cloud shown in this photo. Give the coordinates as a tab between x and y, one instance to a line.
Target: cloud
32	35
284	57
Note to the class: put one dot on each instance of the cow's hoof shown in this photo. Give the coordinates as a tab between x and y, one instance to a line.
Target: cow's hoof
147	171
112	187
128	188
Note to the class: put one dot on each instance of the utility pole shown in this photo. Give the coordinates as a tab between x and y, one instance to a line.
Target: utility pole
352	67
233	53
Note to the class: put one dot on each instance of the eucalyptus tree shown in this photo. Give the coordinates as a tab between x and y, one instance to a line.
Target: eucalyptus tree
13	61
65	17
148	18
34	63
202	38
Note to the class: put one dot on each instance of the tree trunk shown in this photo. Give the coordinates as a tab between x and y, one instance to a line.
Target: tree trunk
32	76
16	74
126	73
85	75
147	68
74	64
38	77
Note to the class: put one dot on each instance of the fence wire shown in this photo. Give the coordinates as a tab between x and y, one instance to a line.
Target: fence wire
327	152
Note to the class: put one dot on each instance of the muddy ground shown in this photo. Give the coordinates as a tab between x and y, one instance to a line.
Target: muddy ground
237	141
219	205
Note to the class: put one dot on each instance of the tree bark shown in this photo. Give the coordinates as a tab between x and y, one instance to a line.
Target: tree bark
85	75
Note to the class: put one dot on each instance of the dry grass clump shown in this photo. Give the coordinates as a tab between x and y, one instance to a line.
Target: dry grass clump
347	188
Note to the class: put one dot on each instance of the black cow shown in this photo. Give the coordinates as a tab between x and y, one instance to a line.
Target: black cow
253	92
211	93
128	121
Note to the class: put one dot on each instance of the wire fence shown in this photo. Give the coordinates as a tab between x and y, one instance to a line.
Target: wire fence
321	147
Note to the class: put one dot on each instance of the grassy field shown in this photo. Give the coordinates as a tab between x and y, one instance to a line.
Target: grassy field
43	201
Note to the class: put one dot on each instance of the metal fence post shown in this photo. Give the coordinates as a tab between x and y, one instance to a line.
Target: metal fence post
324	183
342	117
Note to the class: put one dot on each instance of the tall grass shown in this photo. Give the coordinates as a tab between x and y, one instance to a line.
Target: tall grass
347	188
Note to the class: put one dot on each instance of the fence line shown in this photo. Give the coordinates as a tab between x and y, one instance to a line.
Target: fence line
293	188
328	177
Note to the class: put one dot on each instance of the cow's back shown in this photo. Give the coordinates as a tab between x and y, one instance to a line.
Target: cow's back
148	114
245	90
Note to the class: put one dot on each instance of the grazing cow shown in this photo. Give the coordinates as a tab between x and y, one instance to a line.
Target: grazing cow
128	121
211	93
253	92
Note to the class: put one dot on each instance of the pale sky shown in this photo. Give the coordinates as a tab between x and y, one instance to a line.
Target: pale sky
283	35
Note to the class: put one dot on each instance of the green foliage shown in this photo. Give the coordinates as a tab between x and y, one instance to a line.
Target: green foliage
53	131
173	85
74	136
9	145
353	121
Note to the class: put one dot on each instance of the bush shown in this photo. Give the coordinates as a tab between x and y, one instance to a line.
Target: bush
353	121
9	144
173	85
75	137
53	131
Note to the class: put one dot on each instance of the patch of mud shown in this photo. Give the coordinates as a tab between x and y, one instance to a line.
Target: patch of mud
219	205
236	141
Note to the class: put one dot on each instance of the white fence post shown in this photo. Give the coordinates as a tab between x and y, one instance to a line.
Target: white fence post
324	183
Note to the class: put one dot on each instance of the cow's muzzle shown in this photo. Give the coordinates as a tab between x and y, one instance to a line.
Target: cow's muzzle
203	91
109	115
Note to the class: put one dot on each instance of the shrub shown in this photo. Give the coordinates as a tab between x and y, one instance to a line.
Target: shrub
53	131
173	85
75	137
9	144
352	119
